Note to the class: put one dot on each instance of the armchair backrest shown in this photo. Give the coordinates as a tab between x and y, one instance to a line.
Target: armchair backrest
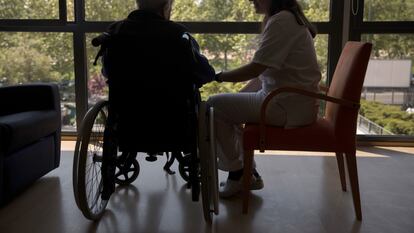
347	84
29	97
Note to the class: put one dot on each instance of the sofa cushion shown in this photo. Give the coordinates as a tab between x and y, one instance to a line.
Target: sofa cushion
21	129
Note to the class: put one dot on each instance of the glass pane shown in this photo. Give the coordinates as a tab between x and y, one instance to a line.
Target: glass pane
70	9
214	10
97	88
321	47
238	10
388	93
200	10
386	10
29	9
40	57
108	10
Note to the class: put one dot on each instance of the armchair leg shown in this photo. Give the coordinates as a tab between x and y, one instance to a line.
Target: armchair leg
353	177
341	168
247	176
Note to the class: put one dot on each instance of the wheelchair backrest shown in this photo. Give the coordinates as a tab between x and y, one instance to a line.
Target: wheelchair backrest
152	89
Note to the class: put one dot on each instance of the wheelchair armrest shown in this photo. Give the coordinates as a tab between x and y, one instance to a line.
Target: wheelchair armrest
271	95
29	97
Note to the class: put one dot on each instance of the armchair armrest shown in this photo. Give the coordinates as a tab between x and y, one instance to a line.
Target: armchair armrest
29	97
262	139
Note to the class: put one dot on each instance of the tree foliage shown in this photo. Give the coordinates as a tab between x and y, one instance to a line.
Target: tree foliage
29	9
390	117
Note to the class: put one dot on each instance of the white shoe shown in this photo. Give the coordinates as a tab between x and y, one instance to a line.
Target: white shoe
229	188
232	187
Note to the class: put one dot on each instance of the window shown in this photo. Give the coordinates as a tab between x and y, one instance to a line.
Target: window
40	57
388	94
225	29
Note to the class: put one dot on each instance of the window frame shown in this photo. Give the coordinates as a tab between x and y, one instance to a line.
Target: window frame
80	27
357	27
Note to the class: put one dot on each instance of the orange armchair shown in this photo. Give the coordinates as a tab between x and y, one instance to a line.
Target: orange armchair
335	132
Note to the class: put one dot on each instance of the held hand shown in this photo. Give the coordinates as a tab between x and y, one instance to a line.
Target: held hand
217	77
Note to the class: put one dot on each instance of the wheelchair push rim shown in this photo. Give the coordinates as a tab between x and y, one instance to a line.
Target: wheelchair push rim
88	161
208	168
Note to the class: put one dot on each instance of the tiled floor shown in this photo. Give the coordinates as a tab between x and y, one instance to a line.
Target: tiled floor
302	194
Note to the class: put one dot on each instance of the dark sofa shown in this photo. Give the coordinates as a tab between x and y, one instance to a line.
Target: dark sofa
30	124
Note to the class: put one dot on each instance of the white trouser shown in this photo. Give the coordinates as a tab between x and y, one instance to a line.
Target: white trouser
231	111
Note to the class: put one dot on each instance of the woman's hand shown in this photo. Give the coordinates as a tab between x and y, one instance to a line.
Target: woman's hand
244	73
253	85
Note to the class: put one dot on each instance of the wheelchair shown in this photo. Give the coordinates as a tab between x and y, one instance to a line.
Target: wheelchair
96	141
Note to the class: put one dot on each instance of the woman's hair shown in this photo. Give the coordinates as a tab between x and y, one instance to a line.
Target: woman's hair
294	7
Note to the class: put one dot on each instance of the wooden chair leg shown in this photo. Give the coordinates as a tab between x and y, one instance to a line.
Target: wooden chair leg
341	168
247	176
353	177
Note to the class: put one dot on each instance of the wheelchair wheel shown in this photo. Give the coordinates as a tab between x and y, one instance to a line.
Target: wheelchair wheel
126	172
87	179
213	178
208	166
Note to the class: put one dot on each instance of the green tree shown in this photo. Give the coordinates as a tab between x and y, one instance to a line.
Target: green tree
29	9
390	117
108	10
382	10
26	65
37	57
184	10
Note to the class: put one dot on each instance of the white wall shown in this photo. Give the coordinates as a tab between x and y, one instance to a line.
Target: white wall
388	73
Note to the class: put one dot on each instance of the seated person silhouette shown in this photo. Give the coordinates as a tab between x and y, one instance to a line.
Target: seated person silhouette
154	69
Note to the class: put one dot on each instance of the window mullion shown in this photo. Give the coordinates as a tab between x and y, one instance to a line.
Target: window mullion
63	16
81	67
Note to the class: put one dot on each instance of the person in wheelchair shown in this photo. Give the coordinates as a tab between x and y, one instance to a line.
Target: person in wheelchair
154	69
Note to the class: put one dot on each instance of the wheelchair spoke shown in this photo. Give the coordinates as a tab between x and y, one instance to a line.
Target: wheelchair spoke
89	162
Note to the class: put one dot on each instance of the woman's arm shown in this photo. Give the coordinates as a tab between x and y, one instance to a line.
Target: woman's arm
253	85
244	73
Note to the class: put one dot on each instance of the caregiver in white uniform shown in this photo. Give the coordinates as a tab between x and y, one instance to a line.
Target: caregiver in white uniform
285	57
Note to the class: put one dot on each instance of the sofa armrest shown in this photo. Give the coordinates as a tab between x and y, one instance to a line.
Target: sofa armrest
29	97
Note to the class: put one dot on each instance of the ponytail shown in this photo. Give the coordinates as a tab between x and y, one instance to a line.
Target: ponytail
293	7
302	20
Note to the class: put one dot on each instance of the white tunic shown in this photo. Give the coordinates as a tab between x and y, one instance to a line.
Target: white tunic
287	49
